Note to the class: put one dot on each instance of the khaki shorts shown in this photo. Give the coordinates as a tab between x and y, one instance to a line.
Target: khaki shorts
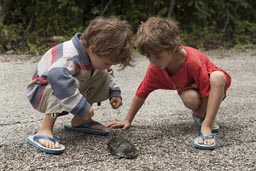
94	89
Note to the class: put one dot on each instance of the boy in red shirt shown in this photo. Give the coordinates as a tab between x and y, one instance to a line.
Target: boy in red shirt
200	84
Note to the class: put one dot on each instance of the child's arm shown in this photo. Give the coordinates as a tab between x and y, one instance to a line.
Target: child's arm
149	84
137	102
114	89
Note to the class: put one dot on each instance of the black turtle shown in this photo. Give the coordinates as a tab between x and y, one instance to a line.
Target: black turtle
122	148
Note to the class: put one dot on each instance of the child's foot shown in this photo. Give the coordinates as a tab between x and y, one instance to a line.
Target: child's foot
48	143
90	127
204	138
206	141
199	121
77	121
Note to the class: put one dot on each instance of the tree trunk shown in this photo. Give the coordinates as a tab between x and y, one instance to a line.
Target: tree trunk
171	6
2	11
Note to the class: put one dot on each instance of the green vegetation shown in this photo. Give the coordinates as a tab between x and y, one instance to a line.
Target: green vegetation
32	26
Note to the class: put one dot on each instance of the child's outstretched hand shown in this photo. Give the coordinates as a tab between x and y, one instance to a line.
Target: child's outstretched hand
119	124
116	102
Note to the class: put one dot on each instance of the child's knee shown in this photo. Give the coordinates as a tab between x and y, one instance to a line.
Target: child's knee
218	79
191	99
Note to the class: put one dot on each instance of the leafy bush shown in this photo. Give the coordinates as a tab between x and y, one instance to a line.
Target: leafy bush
29	26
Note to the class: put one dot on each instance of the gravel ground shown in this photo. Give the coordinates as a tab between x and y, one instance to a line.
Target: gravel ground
163	130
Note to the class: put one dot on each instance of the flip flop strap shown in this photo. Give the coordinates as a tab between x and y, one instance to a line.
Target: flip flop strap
200	134
88	124
39	137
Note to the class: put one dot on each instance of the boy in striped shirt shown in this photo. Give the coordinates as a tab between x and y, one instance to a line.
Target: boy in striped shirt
73	75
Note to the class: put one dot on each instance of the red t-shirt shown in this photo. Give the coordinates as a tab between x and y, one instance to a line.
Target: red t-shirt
194	73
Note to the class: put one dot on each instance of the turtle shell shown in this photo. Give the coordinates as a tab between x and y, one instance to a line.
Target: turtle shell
122	148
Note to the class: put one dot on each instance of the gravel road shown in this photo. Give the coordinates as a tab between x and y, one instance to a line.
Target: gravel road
163	130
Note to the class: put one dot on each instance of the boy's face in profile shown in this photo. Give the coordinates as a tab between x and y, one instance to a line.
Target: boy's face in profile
99	62
162	60
102	63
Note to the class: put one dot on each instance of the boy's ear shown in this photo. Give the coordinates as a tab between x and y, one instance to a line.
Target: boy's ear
91	49
176	50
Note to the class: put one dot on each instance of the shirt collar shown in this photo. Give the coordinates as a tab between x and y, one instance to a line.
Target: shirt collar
84	57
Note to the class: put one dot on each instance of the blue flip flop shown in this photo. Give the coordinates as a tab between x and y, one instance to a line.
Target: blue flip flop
86	128
203	146
197	121
33	140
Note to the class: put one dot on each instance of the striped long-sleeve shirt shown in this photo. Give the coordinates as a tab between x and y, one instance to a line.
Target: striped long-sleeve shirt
60	66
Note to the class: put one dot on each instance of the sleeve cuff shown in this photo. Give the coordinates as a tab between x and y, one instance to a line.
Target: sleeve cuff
114	93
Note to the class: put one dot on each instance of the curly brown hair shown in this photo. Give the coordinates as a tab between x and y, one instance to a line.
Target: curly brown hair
111	37
157	35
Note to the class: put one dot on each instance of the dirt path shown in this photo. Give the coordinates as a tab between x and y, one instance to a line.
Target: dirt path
163	130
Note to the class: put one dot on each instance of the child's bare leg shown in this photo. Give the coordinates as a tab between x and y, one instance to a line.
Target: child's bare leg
191	99
217	82
46	128
77	120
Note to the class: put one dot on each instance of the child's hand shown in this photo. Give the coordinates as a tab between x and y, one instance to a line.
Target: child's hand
116	102
119	124
89	114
